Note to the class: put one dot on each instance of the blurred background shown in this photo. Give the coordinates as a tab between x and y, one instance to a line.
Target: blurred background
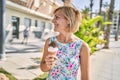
100	28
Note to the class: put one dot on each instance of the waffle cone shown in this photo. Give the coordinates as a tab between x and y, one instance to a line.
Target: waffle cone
53	53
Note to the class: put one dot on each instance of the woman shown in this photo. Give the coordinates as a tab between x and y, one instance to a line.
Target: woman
73	52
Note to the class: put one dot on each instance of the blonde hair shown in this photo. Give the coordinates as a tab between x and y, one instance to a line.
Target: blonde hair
72	15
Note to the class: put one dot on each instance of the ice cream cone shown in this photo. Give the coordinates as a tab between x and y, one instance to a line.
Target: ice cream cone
53	53
52	50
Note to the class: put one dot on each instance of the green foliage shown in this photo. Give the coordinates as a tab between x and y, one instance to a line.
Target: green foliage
7	74
86	10
42	77
90	33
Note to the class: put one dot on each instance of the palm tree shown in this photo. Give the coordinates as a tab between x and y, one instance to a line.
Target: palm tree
85	12
101	1
106	7
110	15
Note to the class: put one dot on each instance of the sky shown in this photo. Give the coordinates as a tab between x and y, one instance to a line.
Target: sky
80	4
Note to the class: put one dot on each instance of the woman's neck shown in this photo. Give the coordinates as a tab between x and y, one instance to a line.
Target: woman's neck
65	38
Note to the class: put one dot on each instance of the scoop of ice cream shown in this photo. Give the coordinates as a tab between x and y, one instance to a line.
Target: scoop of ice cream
53	44
52	49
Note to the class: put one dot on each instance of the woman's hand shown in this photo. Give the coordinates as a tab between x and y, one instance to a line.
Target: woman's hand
50	60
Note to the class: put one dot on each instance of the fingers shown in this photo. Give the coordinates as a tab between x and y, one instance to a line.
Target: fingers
51	56
50	60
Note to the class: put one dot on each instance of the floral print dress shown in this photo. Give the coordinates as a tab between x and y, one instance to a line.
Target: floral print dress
67	65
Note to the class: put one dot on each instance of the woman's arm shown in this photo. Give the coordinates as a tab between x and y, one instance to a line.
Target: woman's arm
43	65
85	62
48	60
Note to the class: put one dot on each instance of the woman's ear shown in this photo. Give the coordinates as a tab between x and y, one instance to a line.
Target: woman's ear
68	22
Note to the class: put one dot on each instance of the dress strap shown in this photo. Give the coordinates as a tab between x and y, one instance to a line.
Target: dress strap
79	43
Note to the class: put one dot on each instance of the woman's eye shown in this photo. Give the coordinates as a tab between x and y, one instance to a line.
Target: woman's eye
57	17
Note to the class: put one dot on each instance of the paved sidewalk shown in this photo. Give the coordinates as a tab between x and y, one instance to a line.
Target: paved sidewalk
22	61
105	64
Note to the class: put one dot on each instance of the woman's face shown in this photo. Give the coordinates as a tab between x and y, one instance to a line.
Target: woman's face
60	22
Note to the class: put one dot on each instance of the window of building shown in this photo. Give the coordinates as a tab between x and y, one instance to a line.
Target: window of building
42	25
27	22
37	3
115	24
114	27
115	17
50	26
36	23
50	9
115	20
15	26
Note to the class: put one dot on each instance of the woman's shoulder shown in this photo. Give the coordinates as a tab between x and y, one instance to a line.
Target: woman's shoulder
85	46
78	39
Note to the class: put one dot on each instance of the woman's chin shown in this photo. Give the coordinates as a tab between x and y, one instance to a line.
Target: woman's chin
55	30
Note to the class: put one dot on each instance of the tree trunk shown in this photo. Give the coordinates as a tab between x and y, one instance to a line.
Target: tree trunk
117	31
2	30
101	1
110	15
91	5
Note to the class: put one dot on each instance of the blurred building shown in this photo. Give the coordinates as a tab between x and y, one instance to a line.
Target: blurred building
115	22
34	14
67	3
